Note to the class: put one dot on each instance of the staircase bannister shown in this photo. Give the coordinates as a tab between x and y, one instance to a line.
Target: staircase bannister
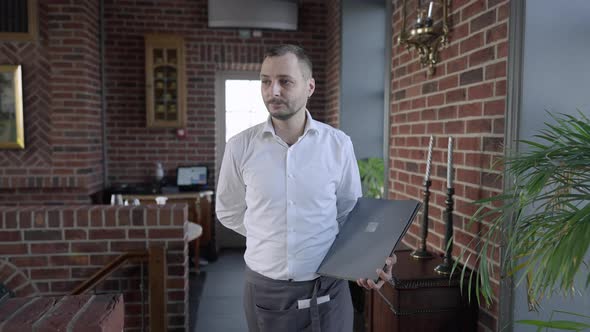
108	269
156	257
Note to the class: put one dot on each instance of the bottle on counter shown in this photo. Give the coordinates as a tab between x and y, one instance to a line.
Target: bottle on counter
159	172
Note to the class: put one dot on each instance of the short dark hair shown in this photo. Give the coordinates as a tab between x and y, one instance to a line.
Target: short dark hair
298	51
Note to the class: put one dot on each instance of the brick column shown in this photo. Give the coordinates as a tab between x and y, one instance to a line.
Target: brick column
465	99
62	159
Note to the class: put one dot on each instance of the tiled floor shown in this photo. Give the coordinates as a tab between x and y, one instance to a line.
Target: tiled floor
216	293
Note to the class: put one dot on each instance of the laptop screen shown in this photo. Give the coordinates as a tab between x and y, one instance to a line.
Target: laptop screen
191	176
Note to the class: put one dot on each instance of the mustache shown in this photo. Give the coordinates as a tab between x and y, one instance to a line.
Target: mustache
275	101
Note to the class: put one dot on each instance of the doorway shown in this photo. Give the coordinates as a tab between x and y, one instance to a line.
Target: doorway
238	106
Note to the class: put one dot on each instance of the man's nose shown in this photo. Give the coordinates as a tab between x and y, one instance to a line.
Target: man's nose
276	89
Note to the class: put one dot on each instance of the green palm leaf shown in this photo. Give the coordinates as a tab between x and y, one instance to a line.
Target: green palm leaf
544	216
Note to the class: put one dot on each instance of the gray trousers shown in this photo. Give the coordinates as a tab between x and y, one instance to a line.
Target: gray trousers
292	306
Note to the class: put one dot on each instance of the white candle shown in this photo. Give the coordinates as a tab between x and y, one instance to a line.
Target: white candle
450	164
430	9
429	159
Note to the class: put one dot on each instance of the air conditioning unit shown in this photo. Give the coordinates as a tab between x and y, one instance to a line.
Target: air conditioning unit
253	14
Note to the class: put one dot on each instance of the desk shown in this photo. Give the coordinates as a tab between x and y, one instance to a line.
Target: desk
199	211
420	300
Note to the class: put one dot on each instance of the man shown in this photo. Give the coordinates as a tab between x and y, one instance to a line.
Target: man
285	185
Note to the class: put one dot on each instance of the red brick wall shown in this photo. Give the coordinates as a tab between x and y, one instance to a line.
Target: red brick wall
61	109
50	251
464	99
333	62
132	148
62	161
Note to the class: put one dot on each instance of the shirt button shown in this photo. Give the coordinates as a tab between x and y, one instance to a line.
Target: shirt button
290	175
291	202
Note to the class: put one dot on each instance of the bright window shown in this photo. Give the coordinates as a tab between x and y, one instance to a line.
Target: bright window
244	107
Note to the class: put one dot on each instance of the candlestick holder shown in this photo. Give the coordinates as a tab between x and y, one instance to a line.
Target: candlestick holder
446	266
421	252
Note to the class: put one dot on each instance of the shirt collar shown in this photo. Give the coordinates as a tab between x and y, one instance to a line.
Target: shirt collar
310	125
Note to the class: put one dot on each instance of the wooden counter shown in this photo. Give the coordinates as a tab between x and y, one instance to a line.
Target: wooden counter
199	211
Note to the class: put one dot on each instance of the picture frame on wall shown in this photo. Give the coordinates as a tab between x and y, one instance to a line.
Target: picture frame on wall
11	108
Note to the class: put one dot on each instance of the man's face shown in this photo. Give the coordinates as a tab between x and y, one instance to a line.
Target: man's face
284	86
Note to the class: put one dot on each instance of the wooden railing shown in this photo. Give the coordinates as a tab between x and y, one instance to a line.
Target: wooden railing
156	258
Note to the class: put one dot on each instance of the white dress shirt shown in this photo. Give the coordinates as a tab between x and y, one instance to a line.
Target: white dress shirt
287	200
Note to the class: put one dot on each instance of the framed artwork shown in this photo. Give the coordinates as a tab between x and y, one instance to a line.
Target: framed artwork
12	134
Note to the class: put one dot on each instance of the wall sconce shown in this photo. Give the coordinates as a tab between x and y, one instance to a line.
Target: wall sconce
426	34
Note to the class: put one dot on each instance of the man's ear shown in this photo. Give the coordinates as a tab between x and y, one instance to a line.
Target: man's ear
311	87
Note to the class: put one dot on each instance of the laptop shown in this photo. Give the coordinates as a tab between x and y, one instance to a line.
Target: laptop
369	235
191	178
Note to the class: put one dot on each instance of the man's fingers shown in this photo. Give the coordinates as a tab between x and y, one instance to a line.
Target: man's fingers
362	283
384	276
393	259
389	267
374	285
389	262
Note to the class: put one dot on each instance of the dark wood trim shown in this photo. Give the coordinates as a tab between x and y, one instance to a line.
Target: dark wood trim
31	34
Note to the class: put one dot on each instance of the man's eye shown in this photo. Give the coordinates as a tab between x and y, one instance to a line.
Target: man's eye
286	82
265	82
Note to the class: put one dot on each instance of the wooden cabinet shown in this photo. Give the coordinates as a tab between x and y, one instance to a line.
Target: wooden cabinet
419	300
165	81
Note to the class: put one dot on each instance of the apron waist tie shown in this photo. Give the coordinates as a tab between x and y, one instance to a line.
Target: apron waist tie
313	308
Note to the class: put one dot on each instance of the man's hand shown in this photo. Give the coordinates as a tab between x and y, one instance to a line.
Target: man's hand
383	275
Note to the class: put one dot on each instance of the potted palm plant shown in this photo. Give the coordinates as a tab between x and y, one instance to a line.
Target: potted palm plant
372	176
544	217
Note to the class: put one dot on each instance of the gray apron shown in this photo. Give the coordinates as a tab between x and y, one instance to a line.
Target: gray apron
320	305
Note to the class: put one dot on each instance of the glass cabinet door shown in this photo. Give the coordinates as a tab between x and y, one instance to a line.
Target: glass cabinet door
165	97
